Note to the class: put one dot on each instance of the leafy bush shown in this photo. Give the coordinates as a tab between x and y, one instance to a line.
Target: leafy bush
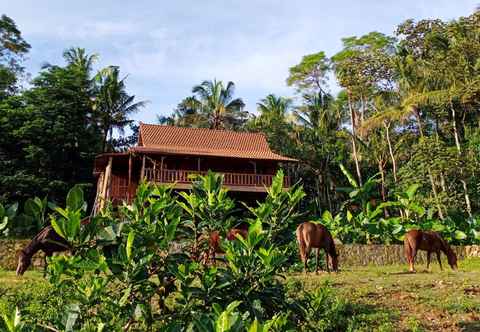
122	275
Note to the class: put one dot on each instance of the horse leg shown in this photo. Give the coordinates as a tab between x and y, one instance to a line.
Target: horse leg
428	259
439	260
327	260
307	253
412	259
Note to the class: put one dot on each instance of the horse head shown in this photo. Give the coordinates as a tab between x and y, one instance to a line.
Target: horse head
24	262
452	259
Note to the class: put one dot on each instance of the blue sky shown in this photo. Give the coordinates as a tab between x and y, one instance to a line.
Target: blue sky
166	47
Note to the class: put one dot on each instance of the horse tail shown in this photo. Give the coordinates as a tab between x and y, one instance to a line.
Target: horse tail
301	241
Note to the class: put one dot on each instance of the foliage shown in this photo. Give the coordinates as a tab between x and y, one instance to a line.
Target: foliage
113	104
209	209
12	50
211	106
310	73
7	213
279	213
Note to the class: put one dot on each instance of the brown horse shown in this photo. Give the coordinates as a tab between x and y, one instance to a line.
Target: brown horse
214	241
430	242
310	235
48	241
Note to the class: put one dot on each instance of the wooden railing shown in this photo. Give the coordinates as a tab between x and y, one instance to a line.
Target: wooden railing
229	179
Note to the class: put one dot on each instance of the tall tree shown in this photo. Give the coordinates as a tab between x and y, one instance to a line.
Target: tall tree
49	141
218	106
310	75
12	51
113	105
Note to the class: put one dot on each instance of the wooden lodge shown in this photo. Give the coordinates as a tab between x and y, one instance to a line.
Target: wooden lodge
170	155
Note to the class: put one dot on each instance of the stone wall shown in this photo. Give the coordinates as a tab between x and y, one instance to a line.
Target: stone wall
9	251
349	254
358	255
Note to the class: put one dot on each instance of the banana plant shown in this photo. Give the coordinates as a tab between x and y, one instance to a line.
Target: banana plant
359	195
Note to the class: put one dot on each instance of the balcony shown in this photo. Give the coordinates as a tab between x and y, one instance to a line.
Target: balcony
233	181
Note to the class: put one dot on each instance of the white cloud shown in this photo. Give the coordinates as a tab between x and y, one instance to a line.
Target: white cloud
167	47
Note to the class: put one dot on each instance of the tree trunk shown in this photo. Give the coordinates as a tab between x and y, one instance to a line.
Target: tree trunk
382	179
390	150
429	169
383	191
419	122
354	143
105	137
435	194
459	150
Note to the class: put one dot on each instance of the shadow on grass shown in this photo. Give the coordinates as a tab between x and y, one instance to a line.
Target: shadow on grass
408	273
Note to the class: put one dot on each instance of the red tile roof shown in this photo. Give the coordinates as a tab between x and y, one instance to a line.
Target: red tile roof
204	142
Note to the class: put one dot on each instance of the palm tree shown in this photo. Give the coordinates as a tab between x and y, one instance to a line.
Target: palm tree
274	108
78	57
112	103
318	120
218	106
186	114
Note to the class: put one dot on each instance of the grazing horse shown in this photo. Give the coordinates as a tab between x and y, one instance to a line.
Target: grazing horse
430	242
46	240
310	235
214	241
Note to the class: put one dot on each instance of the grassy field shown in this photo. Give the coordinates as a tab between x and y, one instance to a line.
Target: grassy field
389	298
385	298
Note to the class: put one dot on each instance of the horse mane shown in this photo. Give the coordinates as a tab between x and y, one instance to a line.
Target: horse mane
34	245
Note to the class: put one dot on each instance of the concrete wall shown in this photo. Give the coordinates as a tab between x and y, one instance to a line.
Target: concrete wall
349	254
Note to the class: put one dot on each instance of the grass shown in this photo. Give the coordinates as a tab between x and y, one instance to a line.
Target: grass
382	298
395	300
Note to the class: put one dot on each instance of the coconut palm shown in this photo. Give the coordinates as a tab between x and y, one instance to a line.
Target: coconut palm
78	57
112	103
217	105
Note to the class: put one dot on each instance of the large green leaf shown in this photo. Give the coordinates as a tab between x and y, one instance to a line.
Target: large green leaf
58	226
349	176
412	190
459	235
75	200
130	239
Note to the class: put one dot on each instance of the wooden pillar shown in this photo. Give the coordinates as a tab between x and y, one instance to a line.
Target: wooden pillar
106	182
129	183
154	171
161	169
98	194
198	164
142	171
